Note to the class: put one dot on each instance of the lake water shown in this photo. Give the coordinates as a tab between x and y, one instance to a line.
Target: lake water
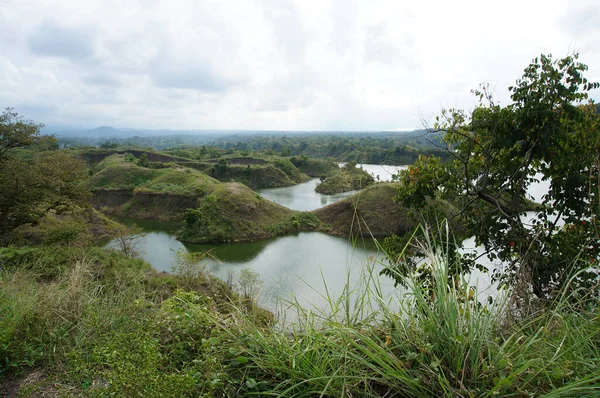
302	197
299	267
305	267
381	172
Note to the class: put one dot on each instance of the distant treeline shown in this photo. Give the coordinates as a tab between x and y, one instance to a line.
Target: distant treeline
374	148
379	148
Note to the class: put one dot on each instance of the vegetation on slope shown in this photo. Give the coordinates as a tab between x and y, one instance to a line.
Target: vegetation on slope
347	178
315	167
35	177
370	212
396	148
274	173
232	213
80	227
120	172
550	130
122	187
95	323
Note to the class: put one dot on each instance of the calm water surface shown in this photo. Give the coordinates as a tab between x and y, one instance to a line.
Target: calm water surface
302	197
295	266
299	265
306	266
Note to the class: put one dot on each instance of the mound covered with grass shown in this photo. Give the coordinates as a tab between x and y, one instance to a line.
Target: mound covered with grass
315	167
257	173
347	178
233	212
79	226
121	187
90	322
371	212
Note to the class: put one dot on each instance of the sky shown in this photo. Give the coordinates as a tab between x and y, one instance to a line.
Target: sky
276	65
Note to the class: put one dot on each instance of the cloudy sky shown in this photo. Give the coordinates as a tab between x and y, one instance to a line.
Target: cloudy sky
279	65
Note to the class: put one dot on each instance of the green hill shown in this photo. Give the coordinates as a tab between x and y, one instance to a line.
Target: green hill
233	212
347	178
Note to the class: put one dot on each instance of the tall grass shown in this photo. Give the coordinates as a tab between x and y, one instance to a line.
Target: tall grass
441	342
103	325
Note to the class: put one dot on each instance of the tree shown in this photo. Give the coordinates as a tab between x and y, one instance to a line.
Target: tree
16	132
128	241
143	160
549	132
249	283
37	178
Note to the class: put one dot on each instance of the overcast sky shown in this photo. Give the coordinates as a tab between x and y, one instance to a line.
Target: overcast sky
277	65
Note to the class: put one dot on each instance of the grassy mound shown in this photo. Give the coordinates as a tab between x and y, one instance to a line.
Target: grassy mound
371	211
123	188
315	167
87	322
78	226
98	155
118	172
257	173
348	178
232	212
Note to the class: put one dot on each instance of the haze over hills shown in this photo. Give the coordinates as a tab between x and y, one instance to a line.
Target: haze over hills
112	132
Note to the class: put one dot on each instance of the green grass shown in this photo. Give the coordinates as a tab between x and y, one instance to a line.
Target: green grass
233	213
100	324
348	178
79	226
276	173
315	167
116	173
437	342
106	325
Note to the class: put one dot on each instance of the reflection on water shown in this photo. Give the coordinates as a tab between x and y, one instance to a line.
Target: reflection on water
299	265
302	197
381	172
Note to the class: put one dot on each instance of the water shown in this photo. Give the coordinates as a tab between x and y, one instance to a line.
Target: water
384	172
306	266
295	265
302	197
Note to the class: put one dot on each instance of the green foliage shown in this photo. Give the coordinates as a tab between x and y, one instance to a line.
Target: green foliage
439	341
374	148
249	283
233	213
304	221
314	167
190	267
36	180
115	172
347	178
143	160
104	325
16	132
257	173
499	152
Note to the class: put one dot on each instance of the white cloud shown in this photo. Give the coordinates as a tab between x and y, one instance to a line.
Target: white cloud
274	64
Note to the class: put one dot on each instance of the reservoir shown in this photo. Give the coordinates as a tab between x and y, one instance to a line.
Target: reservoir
306	267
